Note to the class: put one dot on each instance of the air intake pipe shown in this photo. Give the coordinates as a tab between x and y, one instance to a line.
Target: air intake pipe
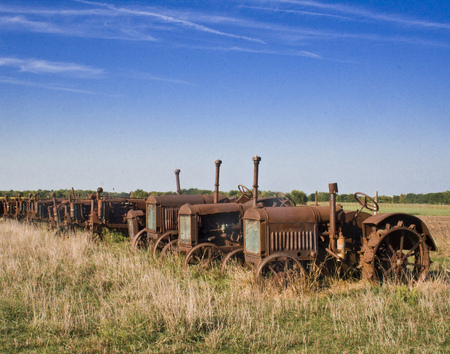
256	160
177	177
333	189
216	184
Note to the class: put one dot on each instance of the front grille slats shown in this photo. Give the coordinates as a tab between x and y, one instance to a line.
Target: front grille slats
292	241
171	218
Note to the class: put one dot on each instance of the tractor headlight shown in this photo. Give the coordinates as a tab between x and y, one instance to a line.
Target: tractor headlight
251	233
151	217
185	229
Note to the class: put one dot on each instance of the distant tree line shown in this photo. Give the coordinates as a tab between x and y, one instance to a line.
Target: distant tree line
299	197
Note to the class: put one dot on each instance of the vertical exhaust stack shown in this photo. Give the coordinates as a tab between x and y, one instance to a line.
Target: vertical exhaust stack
99	202
177	177
256	160
216	184
333	189
99	192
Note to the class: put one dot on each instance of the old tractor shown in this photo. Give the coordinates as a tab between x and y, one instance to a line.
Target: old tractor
210	231
9	207
161	218
379	247
15	208
41	210
108	213
73	213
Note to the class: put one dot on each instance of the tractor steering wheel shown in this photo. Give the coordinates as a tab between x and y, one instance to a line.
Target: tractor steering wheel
368	202
245	191
287	198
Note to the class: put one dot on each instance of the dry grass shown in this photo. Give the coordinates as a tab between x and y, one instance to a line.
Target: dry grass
71	295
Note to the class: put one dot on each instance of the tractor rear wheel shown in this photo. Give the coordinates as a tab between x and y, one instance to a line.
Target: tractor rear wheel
398	254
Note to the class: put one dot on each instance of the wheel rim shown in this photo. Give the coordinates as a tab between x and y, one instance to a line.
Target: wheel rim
401	256
279	270
140	241
170	248
203	256
236	256
162	241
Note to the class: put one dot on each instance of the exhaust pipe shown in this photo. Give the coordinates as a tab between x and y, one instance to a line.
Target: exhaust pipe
332	187
256	160
177	177
216	184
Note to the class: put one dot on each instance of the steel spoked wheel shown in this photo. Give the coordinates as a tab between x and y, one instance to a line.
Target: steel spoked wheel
237	257
161	242
401	256
139	241
279	269
203	255
169	248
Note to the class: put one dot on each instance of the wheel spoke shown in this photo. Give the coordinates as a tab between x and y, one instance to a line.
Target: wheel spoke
272	270
413	249
402	240
388	271
388	242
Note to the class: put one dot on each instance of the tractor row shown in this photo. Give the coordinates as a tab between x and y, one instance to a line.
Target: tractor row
272	235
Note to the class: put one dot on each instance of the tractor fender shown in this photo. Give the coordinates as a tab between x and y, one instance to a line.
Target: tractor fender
380	221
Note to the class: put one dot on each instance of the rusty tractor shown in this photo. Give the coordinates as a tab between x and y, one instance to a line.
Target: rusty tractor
73	213
15	208
9	207
210	231
41	210
161	218
379	247
111	213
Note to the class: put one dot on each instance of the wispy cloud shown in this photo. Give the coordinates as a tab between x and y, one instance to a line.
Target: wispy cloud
20	22
146	76
296	53
39	66
362	12
171	20
108	21
49	86
298	12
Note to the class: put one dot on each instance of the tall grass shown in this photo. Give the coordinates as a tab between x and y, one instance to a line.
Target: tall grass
72	295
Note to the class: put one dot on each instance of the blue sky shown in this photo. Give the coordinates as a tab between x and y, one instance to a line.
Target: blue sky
120	93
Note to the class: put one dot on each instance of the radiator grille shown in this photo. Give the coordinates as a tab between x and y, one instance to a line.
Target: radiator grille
171	219
293	241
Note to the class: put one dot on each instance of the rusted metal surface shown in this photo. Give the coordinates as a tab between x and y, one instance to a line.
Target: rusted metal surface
111	213
218	224
72	214
161	216
383	246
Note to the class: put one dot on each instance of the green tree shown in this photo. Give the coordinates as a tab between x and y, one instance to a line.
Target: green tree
299	197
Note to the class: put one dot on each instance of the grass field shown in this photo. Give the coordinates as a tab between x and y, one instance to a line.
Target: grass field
72	295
